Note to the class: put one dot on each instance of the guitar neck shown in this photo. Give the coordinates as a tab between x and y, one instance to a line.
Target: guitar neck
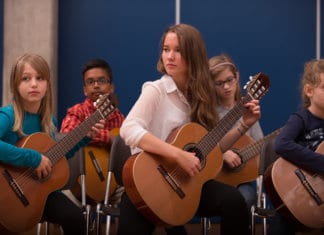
210	140
72	138
255	148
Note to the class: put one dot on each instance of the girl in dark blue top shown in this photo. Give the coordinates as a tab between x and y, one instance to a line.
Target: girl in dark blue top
31	111
304	132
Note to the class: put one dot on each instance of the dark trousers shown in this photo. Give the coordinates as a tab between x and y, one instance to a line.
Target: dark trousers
59	209
279	226
217	199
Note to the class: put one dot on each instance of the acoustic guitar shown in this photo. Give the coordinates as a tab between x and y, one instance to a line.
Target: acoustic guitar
96	168
160	189
249	151
297	194
23	197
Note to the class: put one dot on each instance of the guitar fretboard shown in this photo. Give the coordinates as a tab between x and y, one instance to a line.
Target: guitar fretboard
210	140
75	136
64	145
255	148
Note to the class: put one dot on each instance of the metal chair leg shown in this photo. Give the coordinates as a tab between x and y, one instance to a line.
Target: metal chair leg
252	220
264	220
46	228
86	213
205	224
97	218
108	224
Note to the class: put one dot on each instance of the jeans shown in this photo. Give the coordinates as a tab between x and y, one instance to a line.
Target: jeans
248	192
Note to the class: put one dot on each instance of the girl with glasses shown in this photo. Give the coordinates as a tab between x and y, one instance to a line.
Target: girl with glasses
225	76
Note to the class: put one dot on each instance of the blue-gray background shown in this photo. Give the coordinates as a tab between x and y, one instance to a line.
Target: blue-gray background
275	37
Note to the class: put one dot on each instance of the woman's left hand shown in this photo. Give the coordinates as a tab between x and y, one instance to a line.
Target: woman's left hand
253	112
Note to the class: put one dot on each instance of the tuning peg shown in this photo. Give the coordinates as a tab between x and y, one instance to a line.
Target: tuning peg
247	83
95	103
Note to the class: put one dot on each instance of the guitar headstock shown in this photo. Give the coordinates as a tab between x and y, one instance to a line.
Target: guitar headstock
104	105
258	85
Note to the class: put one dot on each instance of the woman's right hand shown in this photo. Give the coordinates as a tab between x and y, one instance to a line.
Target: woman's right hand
44	168
189	162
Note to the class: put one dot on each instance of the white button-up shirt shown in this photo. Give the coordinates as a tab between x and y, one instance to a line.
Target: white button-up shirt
160	109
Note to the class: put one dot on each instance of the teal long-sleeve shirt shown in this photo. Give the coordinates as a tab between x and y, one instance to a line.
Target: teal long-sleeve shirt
13	155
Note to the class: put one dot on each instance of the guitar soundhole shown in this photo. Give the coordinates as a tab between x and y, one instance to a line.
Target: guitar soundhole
41	180
193	148
238	168
235	169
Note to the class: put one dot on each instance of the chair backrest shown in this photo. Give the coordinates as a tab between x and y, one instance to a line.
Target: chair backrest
267	155
119	153
76	164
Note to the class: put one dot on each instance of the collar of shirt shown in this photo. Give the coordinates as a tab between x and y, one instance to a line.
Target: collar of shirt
171	87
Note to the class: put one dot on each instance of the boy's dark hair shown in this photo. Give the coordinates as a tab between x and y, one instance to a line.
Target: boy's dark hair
98	63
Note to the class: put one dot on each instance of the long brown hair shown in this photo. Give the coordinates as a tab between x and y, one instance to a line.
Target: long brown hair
200	94
46	108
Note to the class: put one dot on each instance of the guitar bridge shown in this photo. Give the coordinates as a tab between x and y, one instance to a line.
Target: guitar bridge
96	166
308	187
171	181
15	187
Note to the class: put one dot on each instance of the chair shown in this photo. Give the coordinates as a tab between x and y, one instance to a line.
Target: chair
77	169
119	153
206	224
267	157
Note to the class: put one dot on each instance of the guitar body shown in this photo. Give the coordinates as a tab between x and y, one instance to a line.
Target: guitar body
153	195
22	197
165	193
96	168
290	197
14	215
247	172
96	172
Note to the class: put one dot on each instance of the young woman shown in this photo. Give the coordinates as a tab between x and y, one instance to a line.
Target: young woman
183	94
226	79
31	111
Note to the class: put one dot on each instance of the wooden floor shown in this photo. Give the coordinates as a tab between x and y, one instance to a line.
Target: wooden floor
192	229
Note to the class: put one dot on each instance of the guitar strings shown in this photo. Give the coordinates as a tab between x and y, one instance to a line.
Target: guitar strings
57	151
54	153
